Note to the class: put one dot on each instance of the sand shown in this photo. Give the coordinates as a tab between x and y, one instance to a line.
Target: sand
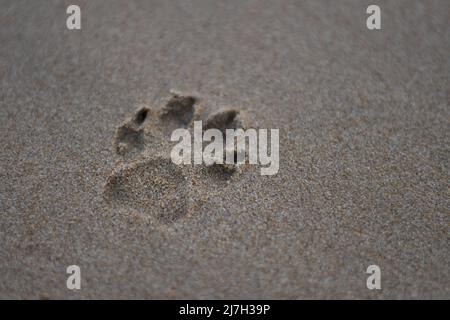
364	120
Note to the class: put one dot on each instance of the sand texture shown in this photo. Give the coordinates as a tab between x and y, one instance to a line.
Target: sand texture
86	175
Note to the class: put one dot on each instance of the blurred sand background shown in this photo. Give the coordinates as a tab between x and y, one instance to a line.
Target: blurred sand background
364	120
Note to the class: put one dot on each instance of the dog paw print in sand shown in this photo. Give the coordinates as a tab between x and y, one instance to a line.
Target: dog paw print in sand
146	181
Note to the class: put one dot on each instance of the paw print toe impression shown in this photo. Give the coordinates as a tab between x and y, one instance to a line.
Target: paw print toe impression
130	135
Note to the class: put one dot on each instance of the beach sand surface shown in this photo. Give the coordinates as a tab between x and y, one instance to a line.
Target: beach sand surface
364	120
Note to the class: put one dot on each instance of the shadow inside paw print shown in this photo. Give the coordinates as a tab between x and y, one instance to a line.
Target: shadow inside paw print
145	178
178	113
130	135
